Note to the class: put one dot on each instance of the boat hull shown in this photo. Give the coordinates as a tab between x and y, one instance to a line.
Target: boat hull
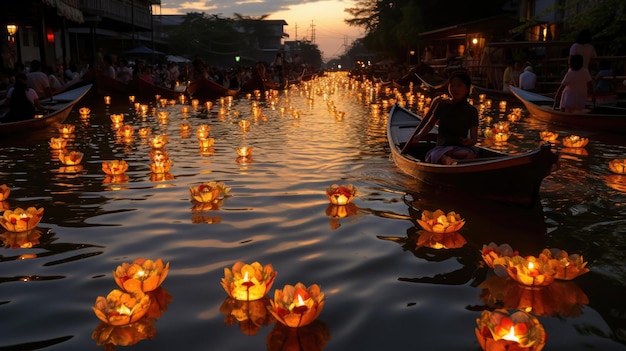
206	89
513	179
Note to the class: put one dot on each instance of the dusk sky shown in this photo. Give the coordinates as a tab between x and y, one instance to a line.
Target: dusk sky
322	19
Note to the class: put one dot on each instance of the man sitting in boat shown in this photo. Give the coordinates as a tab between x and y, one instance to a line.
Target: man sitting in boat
22	101
456	118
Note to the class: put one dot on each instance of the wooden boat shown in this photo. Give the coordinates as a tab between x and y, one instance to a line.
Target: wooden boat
110	86
600	117
148	90
206	89
59	108
494	175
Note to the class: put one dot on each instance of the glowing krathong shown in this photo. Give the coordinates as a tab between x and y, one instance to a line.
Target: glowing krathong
143	274
567	266
493	252
244	151
530	271
618	166
84	111
341	194
57	143
208	192
158	141
519	331
4	192
20	220
121	308
548	136
117	118
297	306
575	141
248	282
71	158
440	222
114	167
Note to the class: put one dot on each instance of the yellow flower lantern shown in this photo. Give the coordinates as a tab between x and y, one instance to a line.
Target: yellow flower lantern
158	141
66	129
618	166
206	143
143	274
121	308
203	131
248	282
71	158
492	252
144	132
548	136
440	222
114	167
501	137
4	192
126	131
244	151
161	167
57	143
575	141
84	111
117	118
531	271
20	220
341	194
297	306
567	266
209	192
518	331
158	155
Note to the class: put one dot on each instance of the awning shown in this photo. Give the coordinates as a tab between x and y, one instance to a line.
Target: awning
177	59
67	9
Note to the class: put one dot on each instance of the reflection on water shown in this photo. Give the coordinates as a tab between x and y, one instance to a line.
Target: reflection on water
387	283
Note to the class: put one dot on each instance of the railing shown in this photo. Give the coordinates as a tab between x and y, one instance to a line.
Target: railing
131	12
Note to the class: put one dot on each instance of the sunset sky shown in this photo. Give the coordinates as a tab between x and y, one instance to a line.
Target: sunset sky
322	19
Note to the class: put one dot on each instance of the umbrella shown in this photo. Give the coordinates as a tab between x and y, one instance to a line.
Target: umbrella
142	50
177	59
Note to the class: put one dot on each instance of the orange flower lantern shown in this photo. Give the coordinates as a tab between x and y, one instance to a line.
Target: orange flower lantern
184	127
131	98
66	129
567	266
341	194
143	275
206	143
618	166
84	111
71	158
144	132
203	131
440	222
121	308
57	143
297	306
208	105
126	131
161	167
114	167
4	192
163	115
107	100
208	192
244	124
163	102
492	252
20	220
519	331
248	282
501	127
117	118
575	141
158	155
530	270
158	141
244	151
548	136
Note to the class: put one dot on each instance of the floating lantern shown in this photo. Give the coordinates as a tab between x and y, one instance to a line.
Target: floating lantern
502	105
493	252
71	158
488	133
157	97
84	111
20	220
184	110
501	127
208	192
618	166
567	266
184	127
530	271
144	109
57	143
114	167
195	103
66	129
501	137
120	308
161	167
548	136
163	102
481	97
575	141
208	105
141	275
163	114
244	151
182	99
107	100
117	117
206	143
4	192
244	124
131	98
144	132
340	194
203	131
158	141
158	155
126	131
519	331
248	282
297	306
440	222
488	103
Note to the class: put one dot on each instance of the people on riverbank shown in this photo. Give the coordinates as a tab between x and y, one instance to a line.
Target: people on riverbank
458	124
575	87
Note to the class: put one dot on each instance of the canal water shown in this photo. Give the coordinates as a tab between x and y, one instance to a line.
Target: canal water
385	288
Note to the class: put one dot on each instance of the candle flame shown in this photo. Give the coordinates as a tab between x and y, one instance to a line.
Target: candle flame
245	277
531	265
511	335
300	301
123	310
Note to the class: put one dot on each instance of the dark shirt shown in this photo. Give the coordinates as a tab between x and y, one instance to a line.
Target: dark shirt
455	121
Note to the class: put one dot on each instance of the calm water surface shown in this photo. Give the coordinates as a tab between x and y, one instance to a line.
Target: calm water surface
383	291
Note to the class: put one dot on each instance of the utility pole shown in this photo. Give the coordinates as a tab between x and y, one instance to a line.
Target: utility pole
312	32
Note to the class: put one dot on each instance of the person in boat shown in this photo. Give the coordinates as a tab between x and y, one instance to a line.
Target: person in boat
457	120
575	87
528	78
604	85
38	80
23	101
584	47
508	77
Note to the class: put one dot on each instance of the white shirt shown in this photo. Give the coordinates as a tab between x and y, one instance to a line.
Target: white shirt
587	51
527	80
39	81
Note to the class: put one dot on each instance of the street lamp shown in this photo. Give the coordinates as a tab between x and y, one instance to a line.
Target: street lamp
11	29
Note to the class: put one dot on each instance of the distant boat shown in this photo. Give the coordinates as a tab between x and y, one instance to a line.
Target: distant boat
59	108
206	89
600	117
494	175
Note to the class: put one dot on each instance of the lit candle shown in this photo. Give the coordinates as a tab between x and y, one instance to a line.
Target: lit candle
511	335
131	98
107	100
